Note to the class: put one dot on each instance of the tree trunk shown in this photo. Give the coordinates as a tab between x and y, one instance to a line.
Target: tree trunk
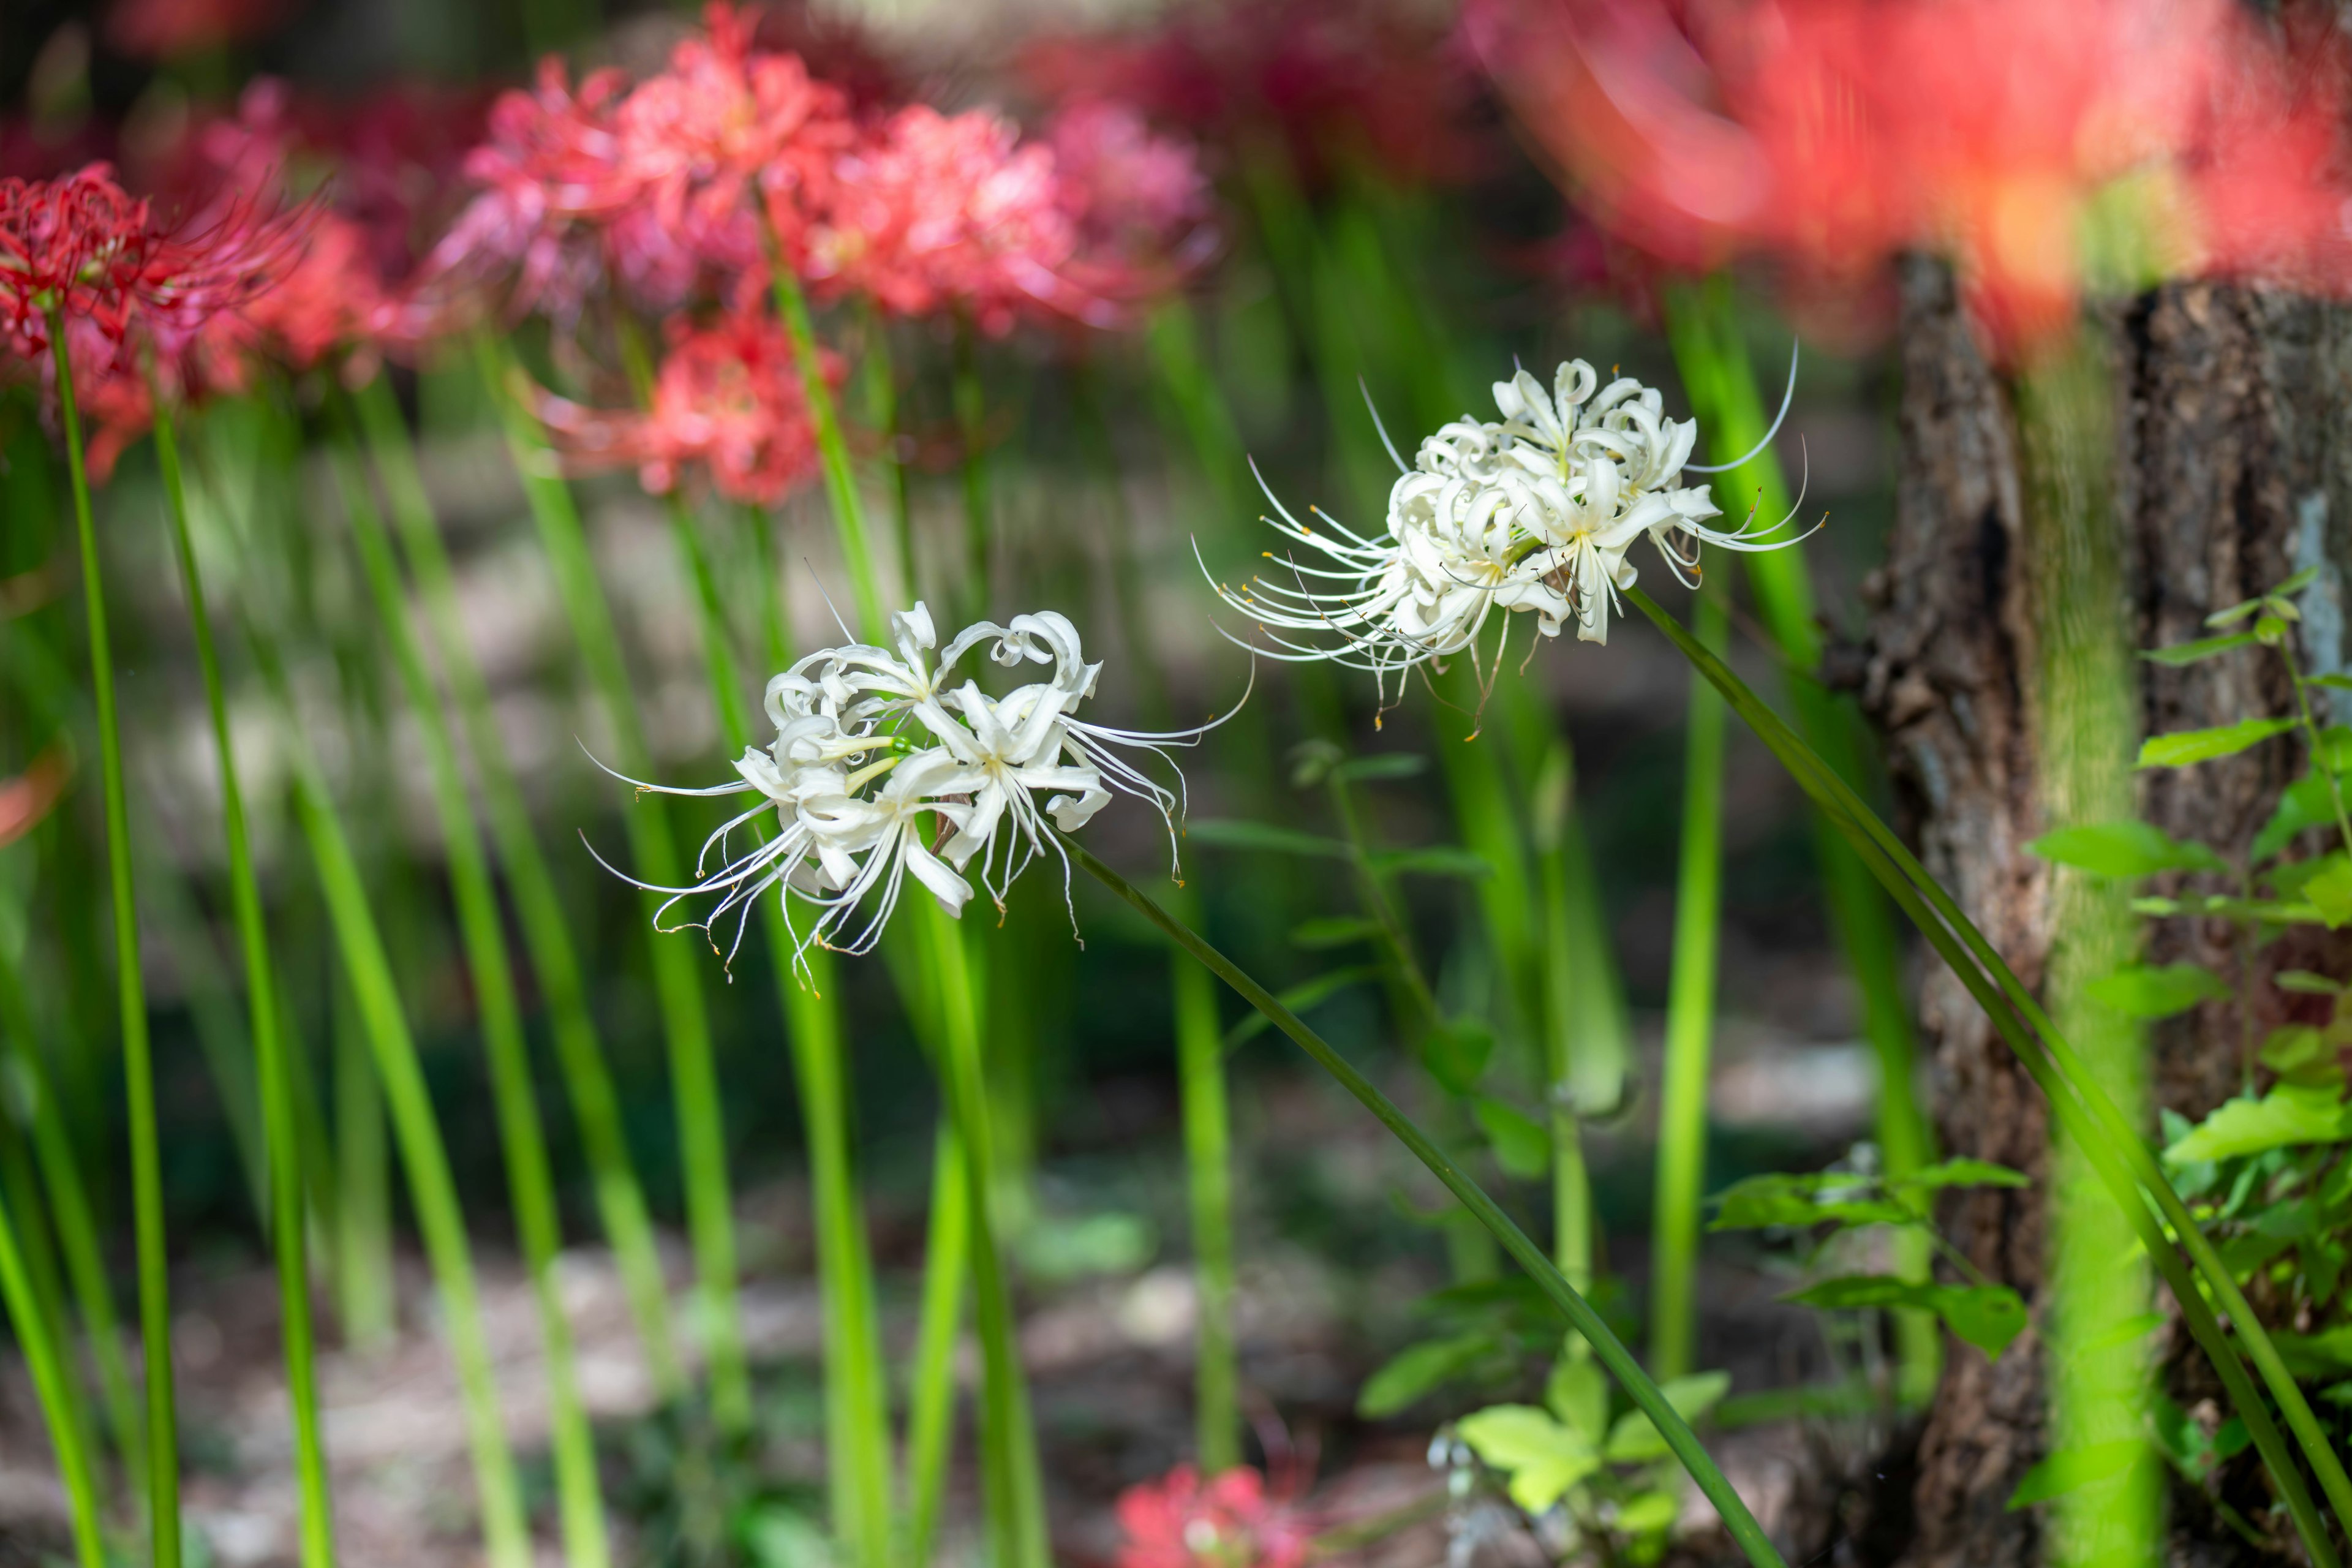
2225	482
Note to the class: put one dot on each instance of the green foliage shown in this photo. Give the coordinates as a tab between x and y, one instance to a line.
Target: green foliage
2265	1173
1522	1145
1612	1476
1987	1316
2144	991
1420	1370
2186	748
2124	850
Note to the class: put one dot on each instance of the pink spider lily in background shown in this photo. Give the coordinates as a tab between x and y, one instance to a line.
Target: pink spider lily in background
1228	1520
935	213
725	123
1140	200
727	397
549	169
2049	151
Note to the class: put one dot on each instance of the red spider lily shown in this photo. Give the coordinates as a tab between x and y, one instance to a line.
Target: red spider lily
940	211
1364	84
2046	148
79	246
1227	1521
727	396
1141	201
724	123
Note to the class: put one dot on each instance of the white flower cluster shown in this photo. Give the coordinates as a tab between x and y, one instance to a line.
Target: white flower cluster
885	763
1536	510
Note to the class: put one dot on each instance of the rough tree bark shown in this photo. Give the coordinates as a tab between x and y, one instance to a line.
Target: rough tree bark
2227	482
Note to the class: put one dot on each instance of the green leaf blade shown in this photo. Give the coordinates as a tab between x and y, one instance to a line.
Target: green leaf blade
2186	748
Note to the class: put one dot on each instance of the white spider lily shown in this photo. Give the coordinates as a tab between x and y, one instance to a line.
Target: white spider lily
1535	511
884	766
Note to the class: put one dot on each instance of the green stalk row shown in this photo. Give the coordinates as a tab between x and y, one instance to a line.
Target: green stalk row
432	1189
694	1081
531	1176
538	907
282	1154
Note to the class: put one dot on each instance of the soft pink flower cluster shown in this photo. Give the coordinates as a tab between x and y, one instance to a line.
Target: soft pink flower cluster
678	195
701	181
729	396
736	159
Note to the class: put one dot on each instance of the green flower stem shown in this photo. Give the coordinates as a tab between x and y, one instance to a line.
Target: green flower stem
2085	713
1702	328
857	1420
979	514
1613	1354
1681	1182
433	1190
931	1417
1208	1165
531	1175
538	907
364	1298
694	1078
281	1136
138	1060
880	379
1587	1032
2118	1156
20	1196
53	1381
1470	1252
833	451
76	1225
1011	1481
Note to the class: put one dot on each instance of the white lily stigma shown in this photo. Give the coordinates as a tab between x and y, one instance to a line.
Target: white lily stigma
885	765
1534	512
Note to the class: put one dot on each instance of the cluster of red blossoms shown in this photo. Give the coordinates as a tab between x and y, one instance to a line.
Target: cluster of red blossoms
678	195
134	302
2048	151
700	181
1228	1520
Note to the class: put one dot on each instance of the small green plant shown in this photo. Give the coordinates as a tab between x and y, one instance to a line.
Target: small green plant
1828	1206
1594	1473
